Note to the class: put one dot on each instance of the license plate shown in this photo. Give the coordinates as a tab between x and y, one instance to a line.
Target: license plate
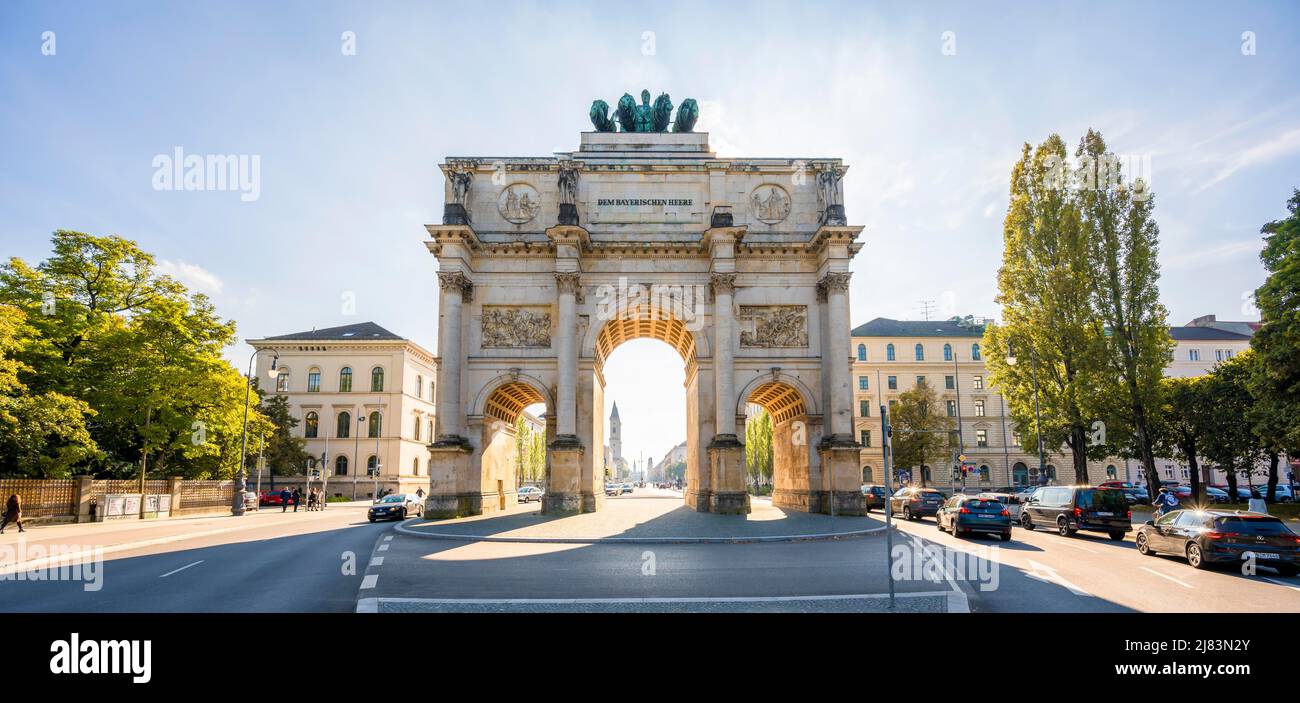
1106	514
988	517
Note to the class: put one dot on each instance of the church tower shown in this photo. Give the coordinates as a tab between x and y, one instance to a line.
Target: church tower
615	438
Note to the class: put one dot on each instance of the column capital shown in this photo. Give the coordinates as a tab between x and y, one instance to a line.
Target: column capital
456	280
569	282
832	282
722	283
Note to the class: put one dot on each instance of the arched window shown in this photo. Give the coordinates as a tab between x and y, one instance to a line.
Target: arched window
341	466
419	386
925	474
947	352
375	424
282	381
433	394
376	380
431	430
974	352
985	474
1051	472
867	474
415	466
862	352
345	379
313	380
1111	472
372	465
344	428
416	423
920	353
311	425
889	353
1020	474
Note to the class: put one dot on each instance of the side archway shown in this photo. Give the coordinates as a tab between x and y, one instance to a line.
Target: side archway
791	451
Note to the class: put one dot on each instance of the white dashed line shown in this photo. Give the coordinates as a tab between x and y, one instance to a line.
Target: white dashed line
383	547
369	581
388	538
169	573
1078	546
1184	584
377	561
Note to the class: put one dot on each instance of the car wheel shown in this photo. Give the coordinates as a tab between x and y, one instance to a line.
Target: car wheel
1143	546
402	515
372	519
956	529
1006	536
1026	521
907	513
1194	556
1063	527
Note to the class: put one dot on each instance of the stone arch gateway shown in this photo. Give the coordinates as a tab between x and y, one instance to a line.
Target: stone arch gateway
547	264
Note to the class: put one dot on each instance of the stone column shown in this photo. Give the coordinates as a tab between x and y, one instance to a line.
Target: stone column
450	494
726	453
839	449
564	481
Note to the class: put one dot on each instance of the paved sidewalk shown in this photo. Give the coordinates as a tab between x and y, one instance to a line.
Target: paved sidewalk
648	517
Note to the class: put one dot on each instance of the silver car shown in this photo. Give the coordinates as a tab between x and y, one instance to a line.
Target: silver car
527	494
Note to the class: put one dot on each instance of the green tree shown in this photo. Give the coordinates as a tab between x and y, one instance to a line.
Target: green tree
1181	423
758	448
285	454
1124	273
921	433
1233	444
1044	288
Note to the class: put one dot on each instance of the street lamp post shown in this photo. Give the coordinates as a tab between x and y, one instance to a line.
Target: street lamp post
241	479
1038	418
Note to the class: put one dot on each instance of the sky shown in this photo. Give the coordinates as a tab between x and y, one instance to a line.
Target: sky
928	104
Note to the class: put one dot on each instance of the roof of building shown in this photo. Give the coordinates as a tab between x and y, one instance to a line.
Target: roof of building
361	330
1205	334
885	327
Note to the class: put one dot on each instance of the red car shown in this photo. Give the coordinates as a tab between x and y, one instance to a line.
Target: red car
270	498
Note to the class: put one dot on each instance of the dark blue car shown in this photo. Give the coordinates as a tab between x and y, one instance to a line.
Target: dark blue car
963	515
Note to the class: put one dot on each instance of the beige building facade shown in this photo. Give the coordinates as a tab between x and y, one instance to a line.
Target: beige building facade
363	397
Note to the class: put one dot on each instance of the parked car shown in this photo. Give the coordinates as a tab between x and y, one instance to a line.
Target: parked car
1212	494
1073	508
875	496
251	501
1282	493
1137	496
528	494
914	503
1206	537
1011	500
396	506
270	498
613	489
962	514
627	487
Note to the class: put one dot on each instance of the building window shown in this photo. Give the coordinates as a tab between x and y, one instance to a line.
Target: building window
949	382
862	352
313	381
920	353
893	383
341	466
889	353
977	383
375	425
866	438
1111	471
431	430
952	408
925	473
1015	438
892	403
311	425
867	474
1228	352
433	396
372	465
974	352
979	408
985	474
415	466
864	408
981	438
282	381
344	429
419	386
920	380
376	380
864	384
345	380
1193	354
947	352
417	427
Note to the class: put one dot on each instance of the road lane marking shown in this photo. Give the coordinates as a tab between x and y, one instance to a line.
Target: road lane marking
369	581
1280	583
169	573
388	538
383	547
1184	584
1043	572
1078	546
377	561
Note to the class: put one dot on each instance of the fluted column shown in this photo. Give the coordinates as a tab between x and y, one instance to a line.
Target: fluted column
456	287
724	374
566	352
836	287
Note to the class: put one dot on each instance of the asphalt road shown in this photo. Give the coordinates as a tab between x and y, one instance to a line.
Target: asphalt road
269	562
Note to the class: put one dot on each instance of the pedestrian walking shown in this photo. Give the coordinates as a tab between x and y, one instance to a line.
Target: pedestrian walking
419	492
13	513
285	497
311	500
1166	502
297	498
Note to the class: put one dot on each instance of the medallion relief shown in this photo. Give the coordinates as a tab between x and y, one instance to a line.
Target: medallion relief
519	203
769	204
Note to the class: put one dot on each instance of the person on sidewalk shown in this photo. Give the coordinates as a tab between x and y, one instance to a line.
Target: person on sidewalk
297	498
13	513
311	500
285	497
1166	502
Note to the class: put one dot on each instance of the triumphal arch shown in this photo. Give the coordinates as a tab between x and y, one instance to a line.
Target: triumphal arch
547	264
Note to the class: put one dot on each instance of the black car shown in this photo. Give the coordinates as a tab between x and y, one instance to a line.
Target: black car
396	506
1073	508
875	496
914	503
1206	537
965	514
